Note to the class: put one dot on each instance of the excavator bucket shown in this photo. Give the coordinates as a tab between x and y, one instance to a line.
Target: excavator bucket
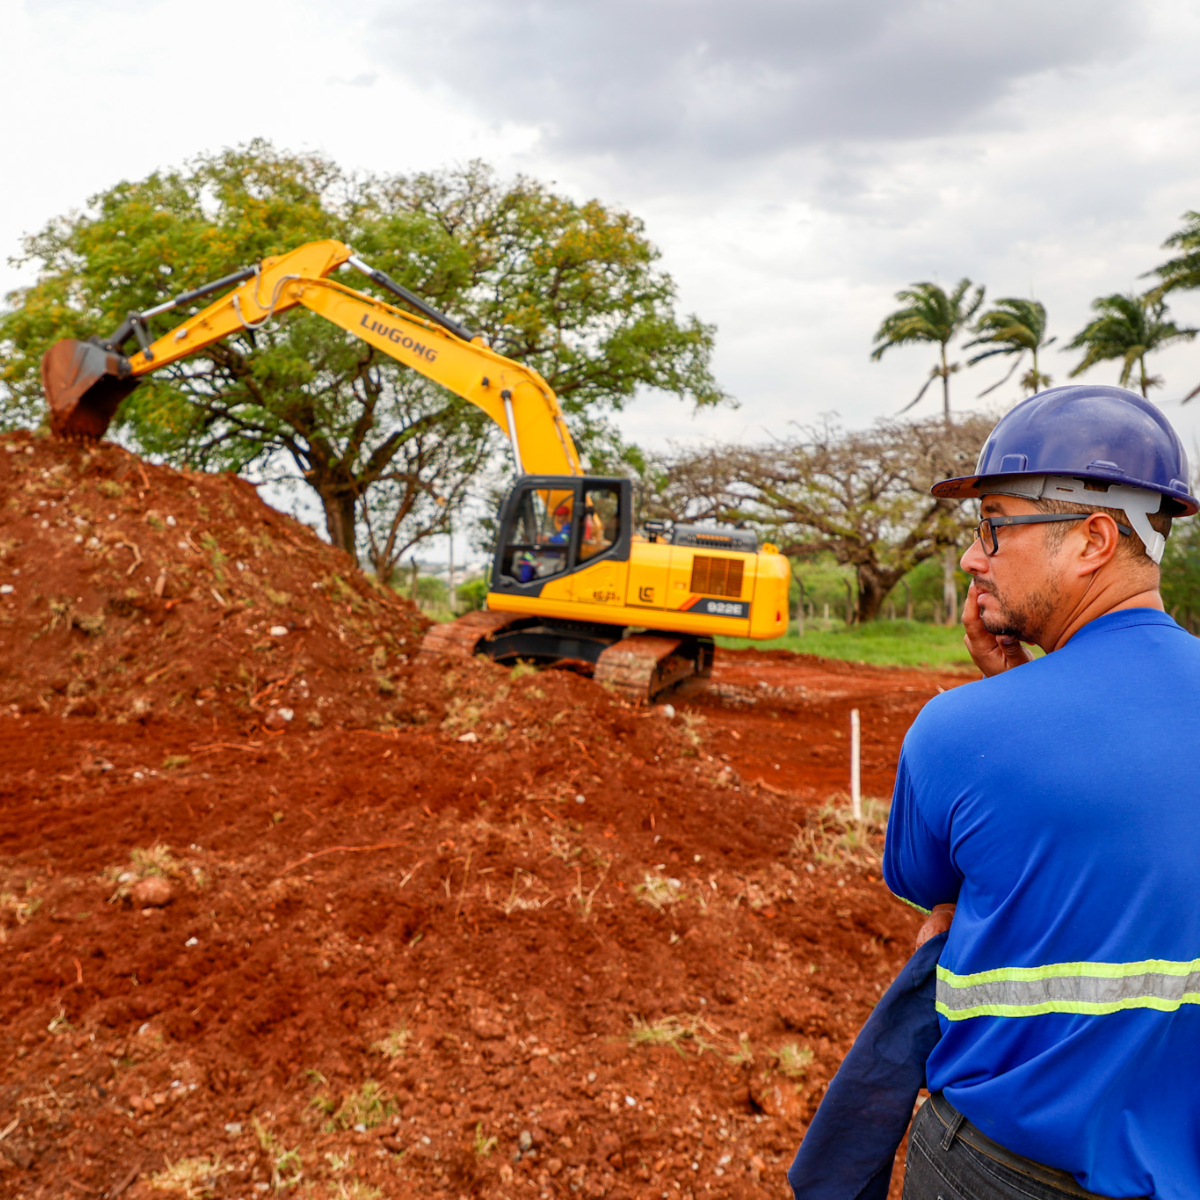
84	383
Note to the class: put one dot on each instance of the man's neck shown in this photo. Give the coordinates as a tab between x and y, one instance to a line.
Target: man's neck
1098	600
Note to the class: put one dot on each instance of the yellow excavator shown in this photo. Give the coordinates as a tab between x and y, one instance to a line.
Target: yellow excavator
571	578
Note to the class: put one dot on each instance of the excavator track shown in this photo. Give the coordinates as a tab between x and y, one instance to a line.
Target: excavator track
465	636
639	666
644	665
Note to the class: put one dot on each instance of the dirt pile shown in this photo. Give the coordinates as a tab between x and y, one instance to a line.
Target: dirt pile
534	942
451	930
130	591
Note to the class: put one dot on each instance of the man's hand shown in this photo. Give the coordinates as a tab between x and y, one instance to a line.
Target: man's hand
937	922
990	653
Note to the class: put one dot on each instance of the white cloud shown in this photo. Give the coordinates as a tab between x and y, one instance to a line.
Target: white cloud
678	80
797	162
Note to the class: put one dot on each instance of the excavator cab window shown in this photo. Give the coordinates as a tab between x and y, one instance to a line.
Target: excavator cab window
538	542
601	520
552	525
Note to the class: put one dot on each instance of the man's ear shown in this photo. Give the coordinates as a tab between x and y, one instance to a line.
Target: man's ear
1102	540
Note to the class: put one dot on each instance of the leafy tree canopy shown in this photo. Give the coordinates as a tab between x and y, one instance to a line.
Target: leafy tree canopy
1126	329
930	314
1182	271
1013	327
573	290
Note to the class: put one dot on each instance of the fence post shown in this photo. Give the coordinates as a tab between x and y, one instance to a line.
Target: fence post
855	767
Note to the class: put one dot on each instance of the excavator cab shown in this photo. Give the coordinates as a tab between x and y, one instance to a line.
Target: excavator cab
551	526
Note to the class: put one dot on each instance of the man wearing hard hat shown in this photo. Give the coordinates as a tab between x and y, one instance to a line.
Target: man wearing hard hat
1049	814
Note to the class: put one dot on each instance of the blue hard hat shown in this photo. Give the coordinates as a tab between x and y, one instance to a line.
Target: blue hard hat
1087	432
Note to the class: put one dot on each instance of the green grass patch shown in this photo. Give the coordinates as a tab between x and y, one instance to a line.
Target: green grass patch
880	643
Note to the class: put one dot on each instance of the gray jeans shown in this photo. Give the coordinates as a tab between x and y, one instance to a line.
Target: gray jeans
949	1159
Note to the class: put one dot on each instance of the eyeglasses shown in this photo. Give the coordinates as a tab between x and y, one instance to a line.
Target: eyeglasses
985	531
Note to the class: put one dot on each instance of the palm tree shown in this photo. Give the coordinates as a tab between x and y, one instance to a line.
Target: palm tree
1127	328
1183	271
930	315
1013	327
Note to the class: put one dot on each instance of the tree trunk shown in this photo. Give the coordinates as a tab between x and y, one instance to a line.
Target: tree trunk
908	609
870	596
945	387
874	587
950	586
800	608
849	602
340	509
385	571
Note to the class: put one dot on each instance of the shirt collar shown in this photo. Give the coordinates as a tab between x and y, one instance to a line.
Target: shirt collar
1125	618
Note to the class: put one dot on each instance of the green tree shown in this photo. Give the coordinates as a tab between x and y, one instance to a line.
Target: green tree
1182	271
572	289
930	314
1127	328
1013	327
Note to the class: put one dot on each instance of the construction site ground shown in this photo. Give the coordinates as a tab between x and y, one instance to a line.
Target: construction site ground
287	908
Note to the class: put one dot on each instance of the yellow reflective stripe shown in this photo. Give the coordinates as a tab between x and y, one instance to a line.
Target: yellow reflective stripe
1097	970
1084	988
1077	1007
910	903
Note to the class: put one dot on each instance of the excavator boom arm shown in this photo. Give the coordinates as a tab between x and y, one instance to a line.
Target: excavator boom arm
514	396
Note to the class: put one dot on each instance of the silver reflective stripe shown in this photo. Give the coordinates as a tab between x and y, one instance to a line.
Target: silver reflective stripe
1085	988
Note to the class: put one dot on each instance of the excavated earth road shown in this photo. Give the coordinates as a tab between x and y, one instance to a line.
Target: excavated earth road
464	932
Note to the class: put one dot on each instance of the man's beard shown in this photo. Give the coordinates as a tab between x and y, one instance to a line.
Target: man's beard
1025	621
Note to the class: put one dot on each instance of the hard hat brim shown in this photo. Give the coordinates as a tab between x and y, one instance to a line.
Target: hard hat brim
971	487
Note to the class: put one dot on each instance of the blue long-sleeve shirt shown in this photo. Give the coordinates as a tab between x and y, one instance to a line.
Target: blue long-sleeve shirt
1058	804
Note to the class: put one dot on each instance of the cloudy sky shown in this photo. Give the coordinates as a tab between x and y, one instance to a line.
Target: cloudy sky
797	161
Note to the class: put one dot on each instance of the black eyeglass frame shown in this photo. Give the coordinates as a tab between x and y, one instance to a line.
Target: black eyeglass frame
994	523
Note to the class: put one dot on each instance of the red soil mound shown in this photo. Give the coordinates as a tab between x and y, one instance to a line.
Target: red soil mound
541	944
129	590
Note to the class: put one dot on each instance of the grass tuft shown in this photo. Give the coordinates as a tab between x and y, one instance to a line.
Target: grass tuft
832	835
483	1146
368	1107
675	1031
157	860
658	891
793	1060
194	1178
395	1045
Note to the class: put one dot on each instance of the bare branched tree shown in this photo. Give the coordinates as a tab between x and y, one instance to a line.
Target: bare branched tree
862	496
442	445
